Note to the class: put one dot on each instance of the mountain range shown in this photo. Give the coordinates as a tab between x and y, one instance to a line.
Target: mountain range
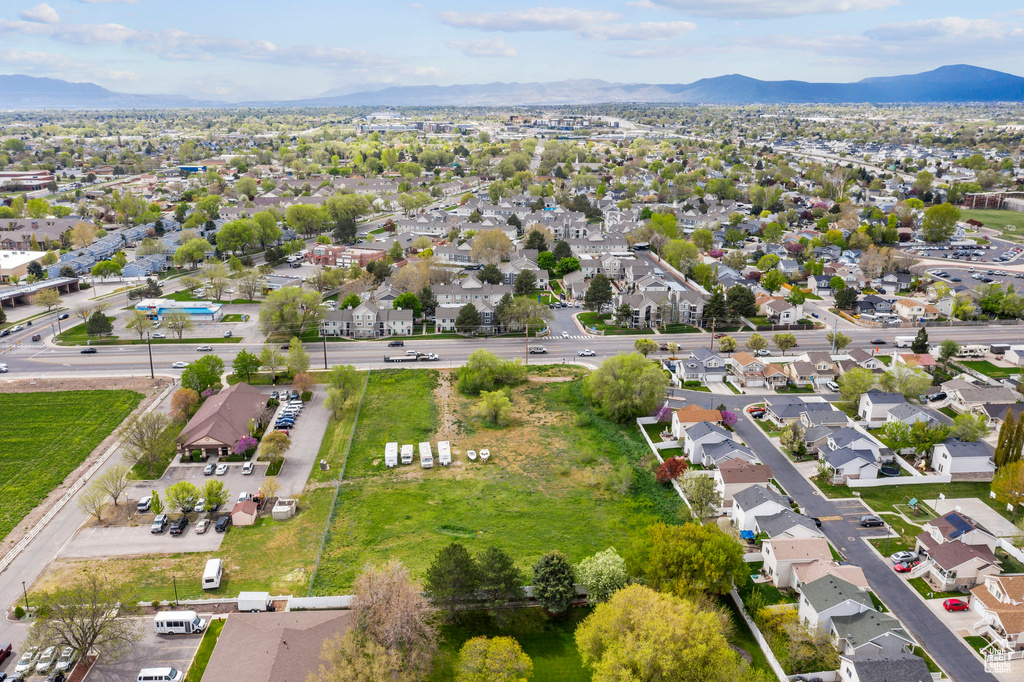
957	83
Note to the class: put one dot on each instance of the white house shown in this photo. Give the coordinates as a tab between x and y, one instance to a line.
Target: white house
964	461
700	435
875	405
827	597
735	475
999	601
870	632
757	500
891	668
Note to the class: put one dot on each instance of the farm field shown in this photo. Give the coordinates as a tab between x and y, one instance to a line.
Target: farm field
51	435
559	468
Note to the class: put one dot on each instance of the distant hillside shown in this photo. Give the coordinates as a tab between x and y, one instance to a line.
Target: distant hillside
28	92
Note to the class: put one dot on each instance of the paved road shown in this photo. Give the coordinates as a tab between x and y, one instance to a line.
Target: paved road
948	650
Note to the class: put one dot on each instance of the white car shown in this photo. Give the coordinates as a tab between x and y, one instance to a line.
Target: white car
764	351
179	365
66	660
204	348
565	335
221	469
159	335
46	659
903	556
587	353
203	526
17	328
248	468
27	660
200	506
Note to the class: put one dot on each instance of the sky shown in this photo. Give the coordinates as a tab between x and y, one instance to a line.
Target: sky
257	50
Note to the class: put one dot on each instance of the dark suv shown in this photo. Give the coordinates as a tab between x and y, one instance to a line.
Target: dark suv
178	525
396	343
222	524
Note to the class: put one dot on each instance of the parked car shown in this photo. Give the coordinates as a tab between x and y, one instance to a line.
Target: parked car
5	651
222	524
936	397
204	348
55	676
832	386
396	343
159	524
158	335
905	566
66	660
88	351
144	505
200	505
202	526
178	526
27	660
274	395
955	605
871	521
46	659
179	365
899	557
248	468
209	469
294	395
221	469
244	496
587	353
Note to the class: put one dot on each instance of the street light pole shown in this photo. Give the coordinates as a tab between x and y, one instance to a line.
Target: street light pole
149	347
324	331
174	579
25	592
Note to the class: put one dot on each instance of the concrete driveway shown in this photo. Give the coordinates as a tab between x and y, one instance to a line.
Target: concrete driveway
302	455
959	622
153	651
126	540
979	511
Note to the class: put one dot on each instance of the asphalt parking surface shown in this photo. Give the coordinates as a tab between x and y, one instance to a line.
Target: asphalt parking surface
153	651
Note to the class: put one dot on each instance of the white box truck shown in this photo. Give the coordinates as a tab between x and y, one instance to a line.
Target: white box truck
407	453
904	341
254	601
212	574
178	623
426	456
390	455
444	453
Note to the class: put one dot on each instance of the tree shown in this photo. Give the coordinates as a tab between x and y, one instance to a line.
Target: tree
701	492
838	340
246	364
94	615
203	373
193	251
625	386
562	250
716	309
494	407
703	239
671	469
139	322
501	582
554	582
47	298
846	299
428	301
113	481
408	301
392	612
272	360
1008	484
969	428
792	436
183	402
236	235
305	219
855	382
756	342
274	445
667	638
645	346
603	574
525	282
727	344
214	492
784	341
490	274
182	496
599	294
741	301
772	281
1010	442
546	260
485	371
291	310
83	234
468	319
535	240
451	579
496	659
906	380
687	559
490	246
925	436
354	657
939	222
948	349
624	315
92	500
178	322
920	344
298	358
98	324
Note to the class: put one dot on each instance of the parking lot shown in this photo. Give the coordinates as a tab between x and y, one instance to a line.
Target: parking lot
153	651
124	540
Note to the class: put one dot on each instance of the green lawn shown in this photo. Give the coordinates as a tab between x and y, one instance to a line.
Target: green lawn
1010	223
557	469
977	643
335	442
185	295
884	498
988	369
907	535
76	336
140	471
205	651
679	329
920	653
45	437
929	592
771	594
1007	563
603	323
949	412
233	317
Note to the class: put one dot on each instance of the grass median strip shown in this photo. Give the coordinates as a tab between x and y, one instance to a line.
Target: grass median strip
206	647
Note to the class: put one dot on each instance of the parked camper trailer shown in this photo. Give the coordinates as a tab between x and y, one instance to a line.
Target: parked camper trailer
971	351
426	456
407	453
444	453
391	455
178	623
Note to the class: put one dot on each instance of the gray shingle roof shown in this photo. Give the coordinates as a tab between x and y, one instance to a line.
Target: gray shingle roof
828	591
881	398
866	626
755	495
891	668
702	429
774	524
959	448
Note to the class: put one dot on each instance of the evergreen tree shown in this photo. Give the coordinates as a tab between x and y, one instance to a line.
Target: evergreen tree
561	251
920	344
1006	432
452	578
428	302
554	582
1017	444
535	240
468	319
501	309
490	274
98	324
716	308
741	301
599	294
500	581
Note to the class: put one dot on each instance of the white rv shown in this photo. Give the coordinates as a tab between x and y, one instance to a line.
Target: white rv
391	455
444	453
426	456
212	574
407	453
179	623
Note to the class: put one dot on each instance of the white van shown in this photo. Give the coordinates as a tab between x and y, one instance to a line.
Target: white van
426	456
160	675
211	576
179	623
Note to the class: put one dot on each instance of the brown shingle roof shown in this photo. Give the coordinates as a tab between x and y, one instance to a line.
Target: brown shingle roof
1011	617
225	417
742	471
694	414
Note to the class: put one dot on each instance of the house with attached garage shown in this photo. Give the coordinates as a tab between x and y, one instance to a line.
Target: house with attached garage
783	410
958	554
808	573
846	463
786	525
912	310
828	597
858	357
685	417
714	454
910	414
870	632
757	500
735	475
746	370
874	406
965	396
964	461
782	556
999	601
701	435
703	365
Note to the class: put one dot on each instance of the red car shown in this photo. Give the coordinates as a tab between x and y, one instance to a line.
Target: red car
955	605
905	566
720	335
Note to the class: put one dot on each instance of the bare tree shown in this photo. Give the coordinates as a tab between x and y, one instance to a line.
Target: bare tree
250	283
113	481
144	438
91	501
178	322
95	615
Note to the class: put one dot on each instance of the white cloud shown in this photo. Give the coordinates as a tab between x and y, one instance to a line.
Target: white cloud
109	2
642	4
651	53
41	14
648	30
484	47
946	27
768	9
29	60
536	19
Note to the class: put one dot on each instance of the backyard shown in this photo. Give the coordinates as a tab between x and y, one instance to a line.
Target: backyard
557	467
988	369
51	435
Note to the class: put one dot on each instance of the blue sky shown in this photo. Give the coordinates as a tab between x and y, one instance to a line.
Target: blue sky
234	50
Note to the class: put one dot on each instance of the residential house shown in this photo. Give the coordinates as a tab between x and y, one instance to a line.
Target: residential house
847	463
784	410
775	376
999	600
870	632
964	461
714	454
698	436
828	597
873	304
703	365
735	475
874	406
965	396
884	668
757	500
808	573
223	419
746	370
912	310
813	368
781	311
860	358
910	414
367	321
917	360
685	417
957	553
786	525
782	556
852	438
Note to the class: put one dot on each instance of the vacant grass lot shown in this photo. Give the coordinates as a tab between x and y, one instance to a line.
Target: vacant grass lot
45	436
988	369
604	323
77	336
997	220
884	498
560	477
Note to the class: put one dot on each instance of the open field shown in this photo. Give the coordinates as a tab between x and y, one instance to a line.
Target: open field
558	469
997	220
46	436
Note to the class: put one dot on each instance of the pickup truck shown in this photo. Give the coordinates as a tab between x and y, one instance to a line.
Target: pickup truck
537	349
422	357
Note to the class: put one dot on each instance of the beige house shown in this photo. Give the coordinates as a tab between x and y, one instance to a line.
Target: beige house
809	572
1000	603
781	556
735	475
910	310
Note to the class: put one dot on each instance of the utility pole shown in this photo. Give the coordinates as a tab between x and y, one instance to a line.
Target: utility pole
324	331
149	347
